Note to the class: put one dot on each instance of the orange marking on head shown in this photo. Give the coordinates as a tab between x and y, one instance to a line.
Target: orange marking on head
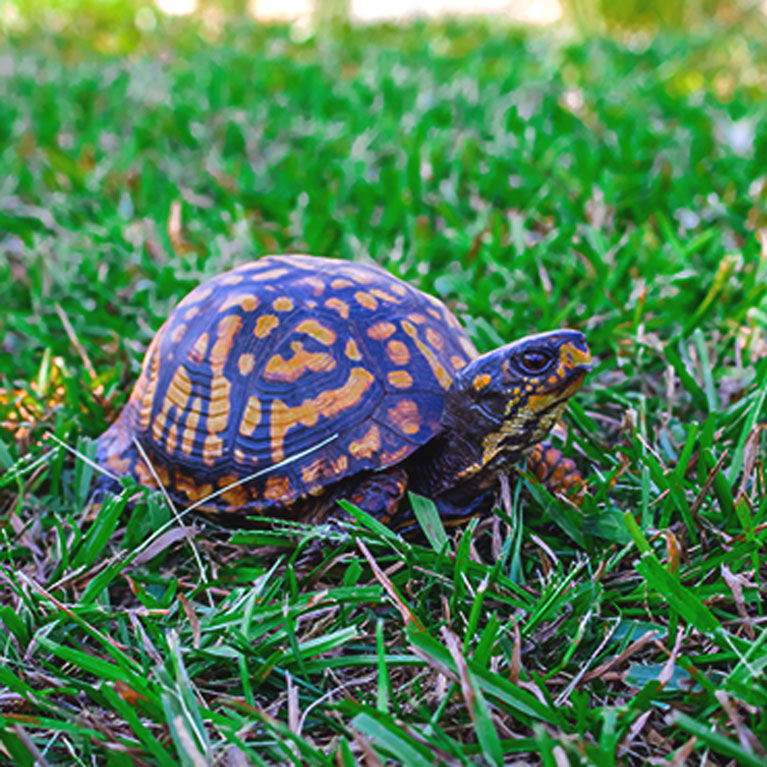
266	323
366	300
570	355
400	379
251	417
436	366
279	369
339	306
383	295
367	445
192	419
352	351
212	449
220	404
246	363
435	339
282	304
231	279
328	403
398	353
179	390
317	331
381	331
405	415
219	353
192	311
118	465
197	352
245	301
340	283
417	318
269	274
481	380
457	362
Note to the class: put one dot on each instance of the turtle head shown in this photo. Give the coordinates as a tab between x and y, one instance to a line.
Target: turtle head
507	400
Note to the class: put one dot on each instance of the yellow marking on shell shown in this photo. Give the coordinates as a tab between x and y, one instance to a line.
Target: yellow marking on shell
384	296
277	488
359	276
231	279
144	476
468	347
220	404
434	313
405	416
328	404
158	425
269	274
246	363
280	369
315	283
311	303
457	362
234	495
339	306
367	445
436	366
219	353
198	294
192	311
381	331
435	339
192	419
265	324
251	417
366	300
400	379
397	352
398	288
246	301
394	456
317	331
239	455
197	352
191	489
172	440
553	380
179	390
517	391
480	381
152	364
352	351
212	448
417	318
282	304
340	283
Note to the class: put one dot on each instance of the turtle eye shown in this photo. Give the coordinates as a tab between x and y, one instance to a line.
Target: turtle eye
534	362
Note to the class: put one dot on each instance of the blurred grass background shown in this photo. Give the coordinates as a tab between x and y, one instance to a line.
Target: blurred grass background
605	172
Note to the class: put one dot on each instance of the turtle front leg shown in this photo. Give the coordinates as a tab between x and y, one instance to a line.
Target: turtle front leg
380	494
555	472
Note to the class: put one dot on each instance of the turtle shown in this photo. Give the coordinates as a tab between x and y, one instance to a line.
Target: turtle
292	381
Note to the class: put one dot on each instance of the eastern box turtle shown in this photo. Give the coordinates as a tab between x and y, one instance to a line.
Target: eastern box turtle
292	381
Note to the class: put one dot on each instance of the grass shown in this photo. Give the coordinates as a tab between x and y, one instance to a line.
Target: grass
531	182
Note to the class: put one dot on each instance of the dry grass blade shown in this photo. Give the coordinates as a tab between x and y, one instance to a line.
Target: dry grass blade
701	496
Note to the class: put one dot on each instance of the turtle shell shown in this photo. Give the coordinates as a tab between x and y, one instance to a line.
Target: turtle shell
294	371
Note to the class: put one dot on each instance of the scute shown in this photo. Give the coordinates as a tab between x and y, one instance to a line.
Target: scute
276	358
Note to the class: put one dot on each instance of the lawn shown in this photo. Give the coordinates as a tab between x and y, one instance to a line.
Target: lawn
531	180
